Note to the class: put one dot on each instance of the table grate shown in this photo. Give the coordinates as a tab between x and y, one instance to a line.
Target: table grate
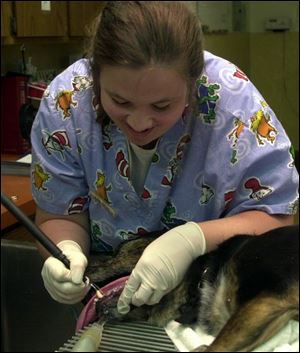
128	337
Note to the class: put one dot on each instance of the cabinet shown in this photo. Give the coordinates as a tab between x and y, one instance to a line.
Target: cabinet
6	14
60	20
82	14
34	21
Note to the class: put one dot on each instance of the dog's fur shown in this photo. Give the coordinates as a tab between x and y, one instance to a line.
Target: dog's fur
243	293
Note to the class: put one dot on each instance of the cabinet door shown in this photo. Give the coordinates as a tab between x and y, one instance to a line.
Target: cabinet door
6	12
82	14
41	18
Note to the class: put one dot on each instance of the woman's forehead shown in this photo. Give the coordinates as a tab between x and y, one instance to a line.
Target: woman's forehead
156	82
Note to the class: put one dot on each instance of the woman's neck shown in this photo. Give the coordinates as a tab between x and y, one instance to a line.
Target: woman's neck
150	145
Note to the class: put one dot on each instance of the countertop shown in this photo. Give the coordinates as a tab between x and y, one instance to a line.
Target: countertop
19	189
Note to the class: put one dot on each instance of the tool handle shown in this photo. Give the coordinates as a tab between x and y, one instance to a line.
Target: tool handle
53	249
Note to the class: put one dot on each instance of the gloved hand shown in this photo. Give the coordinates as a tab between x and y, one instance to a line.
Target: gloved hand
162	266
64	285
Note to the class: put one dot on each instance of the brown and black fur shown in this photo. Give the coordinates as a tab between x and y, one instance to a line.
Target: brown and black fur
243	293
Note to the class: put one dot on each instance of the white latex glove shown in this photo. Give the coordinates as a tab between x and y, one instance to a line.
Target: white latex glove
162	266
64	285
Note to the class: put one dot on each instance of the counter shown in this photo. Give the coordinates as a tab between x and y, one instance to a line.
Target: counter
18	187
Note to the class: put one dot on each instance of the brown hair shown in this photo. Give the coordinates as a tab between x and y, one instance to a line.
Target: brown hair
142	33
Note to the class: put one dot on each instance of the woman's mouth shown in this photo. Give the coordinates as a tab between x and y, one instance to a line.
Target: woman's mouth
138	135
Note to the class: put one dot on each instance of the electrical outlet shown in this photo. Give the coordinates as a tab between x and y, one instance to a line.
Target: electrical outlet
46	5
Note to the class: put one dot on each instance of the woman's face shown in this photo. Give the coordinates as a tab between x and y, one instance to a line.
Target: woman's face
144	103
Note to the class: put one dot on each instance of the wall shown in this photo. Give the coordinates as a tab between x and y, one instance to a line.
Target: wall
233	46
217	15
258	11
250	15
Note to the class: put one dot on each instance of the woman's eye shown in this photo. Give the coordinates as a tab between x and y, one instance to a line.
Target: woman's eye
165	107
119	102
156	107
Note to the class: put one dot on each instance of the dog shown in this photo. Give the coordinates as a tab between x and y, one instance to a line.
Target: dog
242	293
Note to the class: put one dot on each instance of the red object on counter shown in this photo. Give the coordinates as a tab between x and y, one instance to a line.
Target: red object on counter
13	96
35	90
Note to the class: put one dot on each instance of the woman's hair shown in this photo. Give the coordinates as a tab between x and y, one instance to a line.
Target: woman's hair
137	34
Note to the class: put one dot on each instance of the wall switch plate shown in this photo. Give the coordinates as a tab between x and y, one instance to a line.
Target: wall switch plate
278	23
46	5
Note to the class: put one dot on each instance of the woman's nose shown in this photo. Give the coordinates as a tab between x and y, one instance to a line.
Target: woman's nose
139	123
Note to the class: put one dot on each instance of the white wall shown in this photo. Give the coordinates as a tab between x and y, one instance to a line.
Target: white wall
223	15
217	15
258	11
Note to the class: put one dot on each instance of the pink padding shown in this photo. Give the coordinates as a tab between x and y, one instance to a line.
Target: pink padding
88	313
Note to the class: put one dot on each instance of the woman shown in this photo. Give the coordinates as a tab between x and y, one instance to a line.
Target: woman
153	133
